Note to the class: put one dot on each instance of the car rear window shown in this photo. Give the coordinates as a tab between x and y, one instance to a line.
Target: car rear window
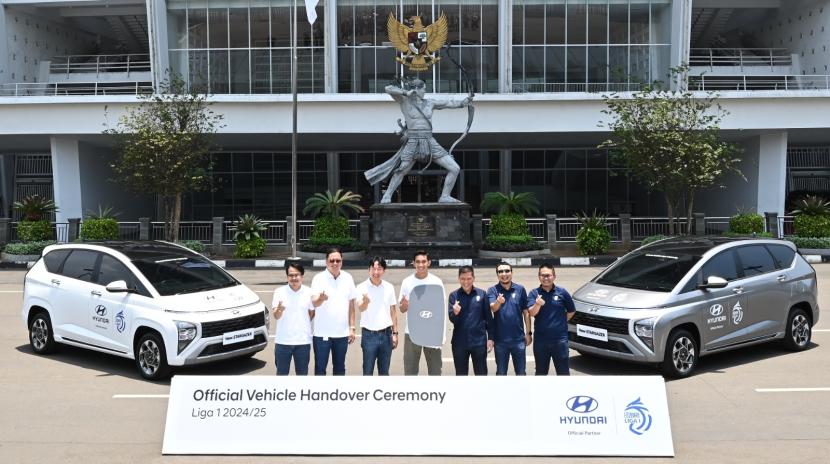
54	259
755	260
657	270
183	274
783	255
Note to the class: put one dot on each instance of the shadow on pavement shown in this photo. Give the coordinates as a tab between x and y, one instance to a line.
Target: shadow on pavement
108	365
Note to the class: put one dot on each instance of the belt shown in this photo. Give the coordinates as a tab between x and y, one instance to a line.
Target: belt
388	329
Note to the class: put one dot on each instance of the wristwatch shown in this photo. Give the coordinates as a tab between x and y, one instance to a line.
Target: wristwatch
394	333
530	333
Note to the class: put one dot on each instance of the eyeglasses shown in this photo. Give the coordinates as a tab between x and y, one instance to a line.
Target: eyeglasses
503	271
545	276
294	276
335	261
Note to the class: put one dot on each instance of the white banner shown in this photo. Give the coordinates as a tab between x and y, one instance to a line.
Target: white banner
491	416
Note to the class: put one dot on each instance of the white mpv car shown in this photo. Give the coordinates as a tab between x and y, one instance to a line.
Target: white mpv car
155	302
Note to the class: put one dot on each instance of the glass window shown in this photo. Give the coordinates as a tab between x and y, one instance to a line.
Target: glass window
577	17
555	24
755	259
54	259
618	23
238	22
218	27
722	265
639	17
783	255
597	23
197	28
81	265
183	274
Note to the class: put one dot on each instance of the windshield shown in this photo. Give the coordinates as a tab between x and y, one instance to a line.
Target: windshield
174	275
653	270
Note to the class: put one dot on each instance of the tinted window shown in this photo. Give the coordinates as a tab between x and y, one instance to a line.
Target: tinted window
783	255
172	276
80	265
755	259
54	259
112	269
655	271
722	265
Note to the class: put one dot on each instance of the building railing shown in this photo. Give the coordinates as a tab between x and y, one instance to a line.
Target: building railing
550	229
76	64
782	82
740	57
62	89
561	87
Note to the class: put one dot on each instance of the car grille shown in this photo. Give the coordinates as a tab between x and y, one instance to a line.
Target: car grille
218	348
611	345
212	329
611	324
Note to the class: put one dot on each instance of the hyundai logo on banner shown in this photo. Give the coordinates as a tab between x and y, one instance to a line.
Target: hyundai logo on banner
582	404
426	314
637	417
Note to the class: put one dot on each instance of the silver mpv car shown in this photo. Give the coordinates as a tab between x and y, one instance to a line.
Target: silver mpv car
675	300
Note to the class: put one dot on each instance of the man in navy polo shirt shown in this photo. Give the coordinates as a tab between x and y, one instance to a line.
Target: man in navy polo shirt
552	307
472	320
508	301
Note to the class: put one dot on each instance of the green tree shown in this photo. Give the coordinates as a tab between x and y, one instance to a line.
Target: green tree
164	145
669	141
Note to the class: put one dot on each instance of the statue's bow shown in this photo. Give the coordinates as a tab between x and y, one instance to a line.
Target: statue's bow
471	111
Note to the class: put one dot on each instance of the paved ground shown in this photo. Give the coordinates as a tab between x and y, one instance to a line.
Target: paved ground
61	408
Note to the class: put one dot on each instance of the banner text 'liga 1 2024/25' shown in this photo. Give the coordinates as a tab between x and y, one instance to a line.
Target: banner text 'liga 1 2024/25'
463	416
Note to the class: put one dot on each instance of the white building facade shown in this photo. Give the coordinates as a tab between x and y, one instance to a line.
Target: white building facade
540	69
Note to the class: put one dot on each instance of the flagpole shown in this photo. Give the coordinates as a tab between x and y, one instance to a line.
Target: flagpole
294	133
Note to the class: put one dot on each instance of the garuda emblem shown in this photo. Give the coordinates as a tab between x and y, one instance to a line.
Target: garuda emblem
418	43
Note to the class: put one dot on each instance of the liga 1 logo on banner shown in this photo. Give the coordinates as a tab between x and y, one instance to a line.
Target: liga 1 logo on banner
542	416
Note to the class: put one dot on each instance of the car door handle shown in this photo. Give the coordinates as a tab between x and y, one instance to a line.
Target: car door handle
95	292
782	277
56	281
738	290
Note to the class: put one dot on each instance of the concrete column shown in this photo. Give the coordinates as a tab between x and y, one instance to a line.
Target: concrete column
74	229
218	230
681	27
551	223
771	219
505	46
772	172
66	172
478	233
5	75
290	232
625	228
364	230
333	174
700	223
505	166
330	45
144	228
5	228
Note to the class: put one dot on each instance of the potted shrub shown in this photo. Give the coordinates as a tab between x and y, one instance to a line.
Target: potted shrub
34	224
100	225
331	223
745	223
593	237
508	227
812	217
249	244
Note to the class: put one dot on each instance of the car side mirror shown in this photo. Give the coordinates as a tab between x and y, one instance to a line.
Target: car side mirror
713	282
118	286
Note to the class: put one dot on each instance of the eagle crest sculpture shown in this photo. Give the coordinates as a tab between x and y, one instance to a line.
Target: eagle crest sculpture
418	43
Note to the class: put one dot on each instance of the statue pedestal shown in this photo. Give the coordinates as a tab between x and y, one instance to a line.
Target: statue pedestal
442	229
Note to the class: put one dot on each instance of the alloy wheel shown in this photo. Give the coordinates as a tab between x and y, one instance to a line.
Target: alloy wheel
40	334
683	354
800	330
149	357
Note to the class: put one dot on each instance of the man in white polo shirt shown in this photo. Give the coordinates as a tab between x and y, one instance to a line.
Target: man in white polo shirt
412	352
378	319
334	297
293	312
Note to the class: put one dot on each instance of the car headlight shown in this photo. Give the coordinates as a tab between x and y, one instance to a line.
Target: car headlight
267	317
644	330
186	332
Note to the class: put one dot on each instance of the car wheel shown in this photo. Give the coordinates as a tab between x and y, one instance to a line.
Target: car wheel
799	331
41	336
151	357
681	355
